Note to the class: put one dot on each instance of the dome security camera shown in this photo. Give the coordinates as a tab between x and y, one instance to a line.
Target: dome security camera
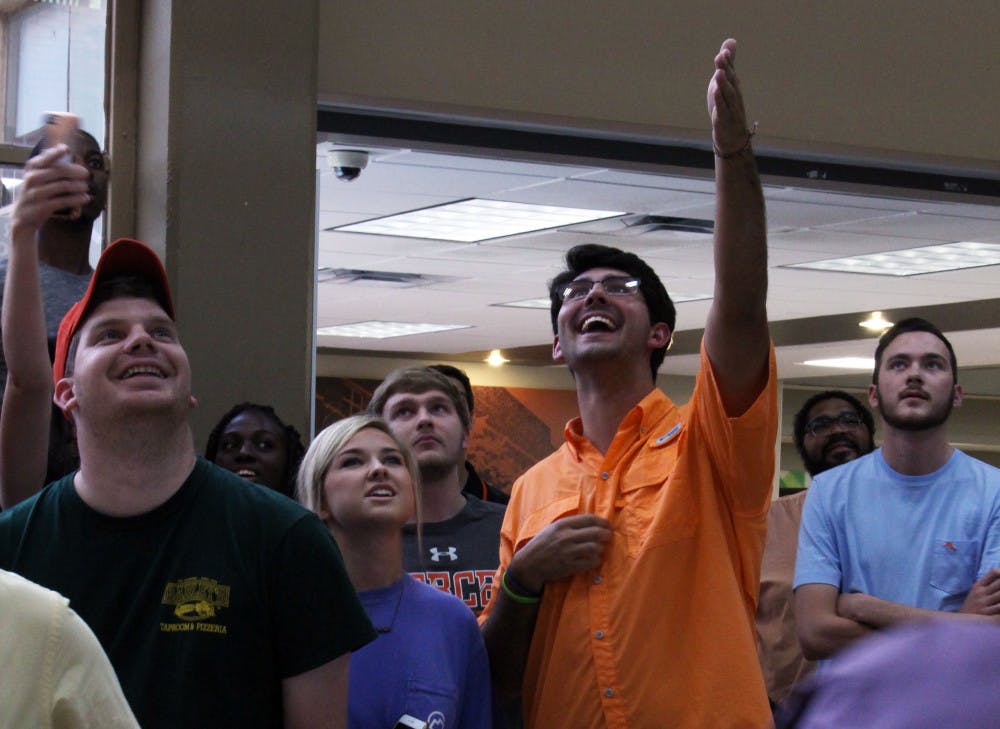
347	163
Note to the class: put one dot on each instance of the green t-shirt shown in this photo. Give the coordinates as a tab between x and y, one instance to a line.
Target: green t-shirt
205	603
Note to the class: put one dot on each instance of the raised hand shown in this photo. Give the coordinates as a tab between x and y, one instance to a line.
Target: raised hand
730	134
50	185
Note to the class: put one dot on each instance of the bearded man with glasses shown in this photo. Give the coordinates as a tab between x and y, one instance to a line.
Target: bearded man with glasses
830	428
630	558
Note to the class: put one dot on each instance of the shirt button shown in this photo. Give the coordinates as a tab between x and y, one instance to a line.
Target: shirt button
599	634
605	475
597	580
609	692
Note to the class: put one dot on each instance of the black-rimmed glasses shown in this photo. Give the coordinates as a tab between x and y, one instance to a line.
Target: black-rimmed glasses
612	285
818	427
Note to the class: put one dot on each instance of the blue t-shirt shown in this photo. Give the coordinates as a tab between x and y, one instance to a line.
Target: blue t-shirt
920	541
429	661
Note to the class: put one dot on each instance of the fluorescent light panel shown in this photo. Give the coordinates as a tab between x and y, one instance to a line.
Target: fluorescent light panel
470	221
913	261
385	329
843	363
544	303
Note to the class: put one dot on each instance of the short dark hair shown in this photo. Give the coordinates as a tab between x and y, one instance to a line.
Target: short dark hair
913	324
115	287
40	145
456	374
418	380
591	255
294	448
802	416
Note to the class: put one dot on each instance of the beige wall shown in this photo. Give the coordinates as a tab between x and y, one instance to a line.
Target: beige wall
221	122
897	79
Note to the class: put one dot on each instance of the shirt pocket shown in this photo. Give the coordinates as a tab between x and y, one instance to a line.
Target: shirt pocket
566	506
654	507
953	565
432	702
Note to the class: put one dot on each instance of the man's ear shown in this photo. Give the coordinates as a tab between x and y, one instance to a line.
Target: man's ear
556	350
957	396
64	396
659	335
873	396
192	402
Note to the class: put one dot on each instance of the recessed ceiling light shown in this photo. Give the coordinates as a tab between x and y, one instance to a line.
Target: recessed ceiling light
470	221
875	323
913	261
843	363
384	329
496	358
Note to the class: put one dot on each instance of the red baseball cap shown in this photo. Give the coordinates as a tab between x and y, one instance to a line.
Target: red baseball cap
124	257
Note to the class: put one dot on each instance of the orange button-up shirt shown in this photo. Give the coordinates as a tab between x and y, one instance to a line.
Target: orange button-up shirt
661	634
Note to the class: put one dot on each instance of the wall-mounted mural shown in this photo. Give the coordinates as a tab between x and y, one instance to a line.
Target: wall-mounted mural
513	427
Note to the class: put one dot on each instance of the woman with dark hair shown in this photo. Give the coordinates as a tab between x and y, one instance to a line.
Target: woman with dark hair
253	442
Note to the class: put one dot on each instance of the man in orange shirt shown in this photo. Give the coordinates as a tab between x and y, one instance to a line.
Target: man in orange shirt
630	558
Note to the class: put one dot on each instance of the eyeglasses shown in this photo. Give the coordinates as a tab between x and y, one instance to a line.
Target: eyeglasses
824	424
612	285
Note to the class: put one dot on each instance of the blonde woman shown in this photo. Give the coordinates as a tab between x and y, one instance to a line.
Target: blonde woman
428	662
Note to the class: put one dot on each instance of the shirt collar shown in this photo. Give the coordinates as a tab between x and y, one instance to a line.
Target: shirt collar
646	414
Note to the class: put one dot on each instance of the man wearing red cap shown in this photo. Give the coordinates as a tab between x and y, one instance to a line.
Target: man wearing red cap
219	603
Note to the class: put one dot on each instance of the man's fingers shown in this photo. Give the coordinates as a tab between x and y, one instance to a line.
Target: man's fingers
583	520
991	578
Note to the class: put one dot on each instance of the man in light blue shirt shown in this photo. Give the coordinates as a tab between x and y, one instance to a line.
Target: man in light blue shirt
910	531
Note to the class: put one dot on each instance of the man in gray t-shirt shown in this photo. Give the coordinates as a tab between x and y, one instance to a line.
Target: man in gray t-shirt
460	547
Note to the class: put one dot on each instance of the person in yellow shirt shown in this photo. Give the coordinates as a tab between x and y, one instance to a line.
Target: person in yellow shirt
630	558
56	674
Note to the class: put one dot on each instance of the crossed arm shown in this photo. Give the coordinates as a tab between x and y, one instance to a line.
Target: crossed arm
827	620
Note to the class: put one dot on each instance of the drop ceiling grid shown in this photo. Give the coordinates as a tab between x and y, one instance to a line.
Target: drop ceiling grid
926	229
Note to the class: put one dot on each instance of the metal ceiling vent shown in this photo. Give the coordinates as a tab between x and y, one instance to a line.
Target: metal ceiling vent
666	227
389	279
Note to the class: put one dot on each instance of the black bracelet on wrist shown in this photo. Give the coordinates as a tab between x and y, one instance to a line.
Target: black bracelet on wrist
518	588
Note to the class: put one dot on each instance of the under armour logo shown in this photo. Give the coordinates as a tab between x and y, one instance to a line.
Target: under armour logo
436	554
436	719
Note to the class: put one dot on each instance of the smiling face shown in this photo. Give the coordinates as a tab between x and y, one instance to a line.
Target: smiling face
253	447
600	327
431	426
916	387
128	360
836	442
367	485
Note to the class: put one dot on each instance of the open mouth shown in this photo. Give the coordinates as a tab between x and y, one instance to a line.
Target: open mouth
248	474
380	492
143	371
596	323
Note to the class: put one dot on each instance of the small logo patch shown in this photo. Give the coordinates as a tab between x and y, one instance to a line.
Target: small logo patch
436	554
669	435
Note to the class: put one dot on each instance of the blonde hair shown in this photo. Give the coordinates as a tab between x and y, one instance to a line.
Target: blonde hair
331	441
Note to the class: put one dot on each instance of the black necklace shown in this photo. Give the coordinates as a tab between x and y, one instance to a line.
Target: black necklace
395	612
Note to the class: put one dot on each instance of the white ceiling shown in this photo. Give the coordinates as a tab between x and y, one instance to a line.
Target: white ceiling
803	225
